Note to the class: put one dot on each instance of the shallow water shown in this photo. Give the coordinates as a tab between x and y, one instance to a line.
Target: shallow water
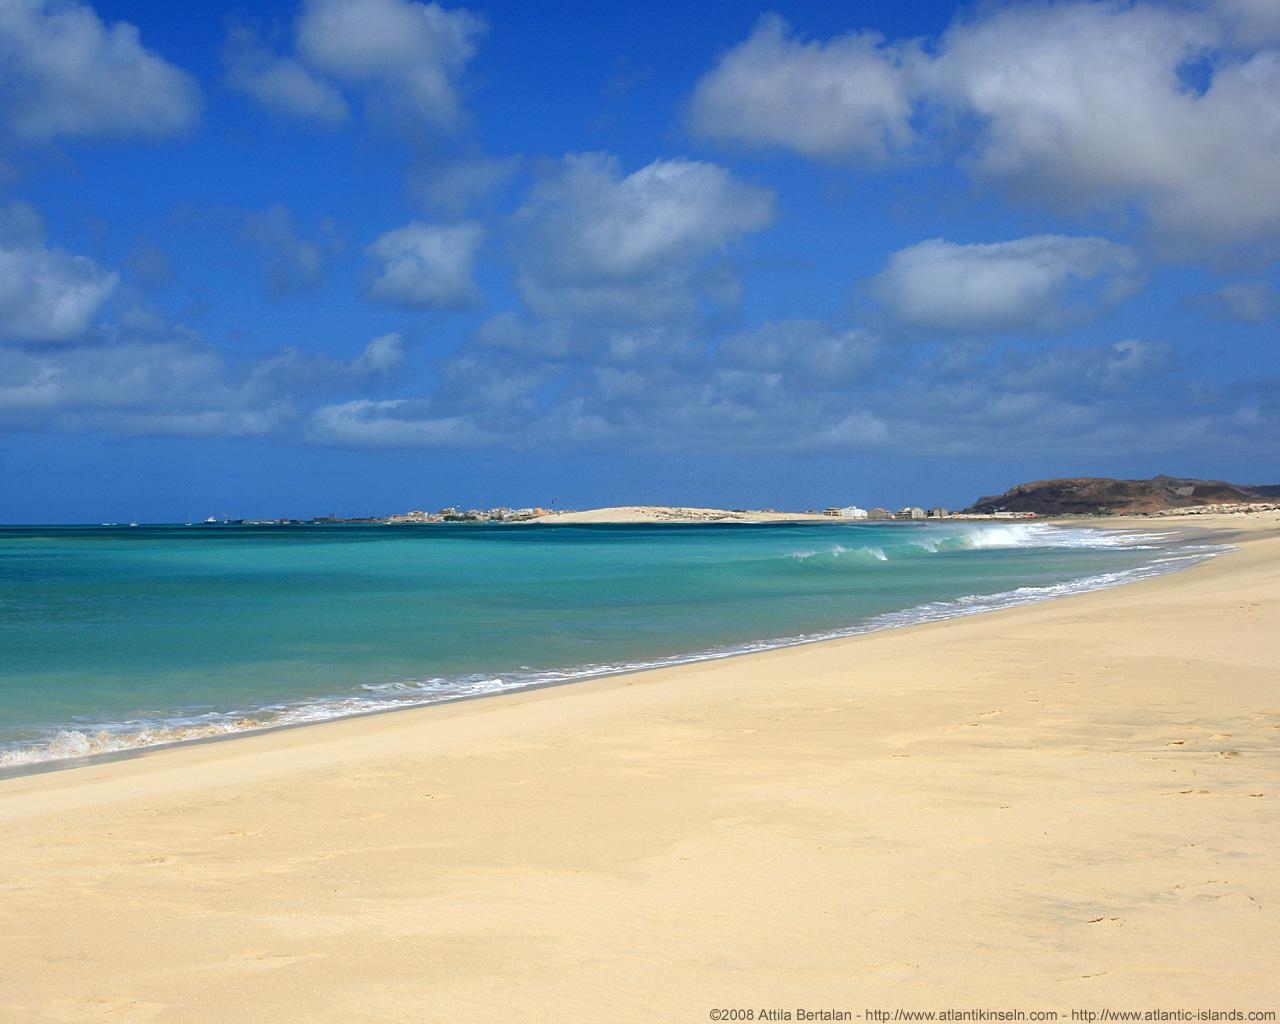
116	638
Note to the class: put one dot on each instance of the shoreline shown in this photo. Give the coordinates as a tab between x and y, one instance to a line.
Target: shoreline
1223	534
1215	536
1059	805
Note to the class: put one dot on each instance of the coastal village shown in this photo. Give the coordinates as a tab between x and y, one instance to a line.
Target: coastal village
1041	499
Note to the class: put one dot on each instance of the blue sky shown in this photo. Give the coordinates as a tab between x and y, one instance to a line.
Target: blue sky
358	256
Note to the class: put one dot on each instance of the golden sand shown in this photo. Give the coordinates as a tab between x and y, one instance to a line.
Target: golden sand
1071	805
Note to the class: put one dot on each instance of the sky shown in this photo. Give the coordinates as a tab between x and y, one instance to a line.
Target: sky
360	256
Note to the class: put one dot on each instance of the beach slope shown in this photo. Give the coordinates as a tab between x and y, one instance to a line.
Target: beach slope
1069	805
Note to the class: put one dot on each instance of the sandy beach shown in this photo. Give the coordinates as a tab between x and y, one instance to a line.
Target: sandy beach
1070	805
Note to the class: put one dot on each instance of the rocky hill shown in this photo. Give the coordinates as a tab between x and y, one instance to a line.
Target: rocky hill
1094	495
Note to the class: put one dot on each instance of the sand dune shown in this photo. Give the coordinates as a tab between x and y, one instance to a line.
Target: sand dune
1062	806
676	514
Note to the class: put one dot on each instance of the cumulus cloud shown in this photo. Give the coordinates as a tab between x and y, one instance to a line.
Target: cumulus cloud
69	75
426	266
282	84
46	295
1073	105
1089	103
1044	282
848	97
404	58
594	242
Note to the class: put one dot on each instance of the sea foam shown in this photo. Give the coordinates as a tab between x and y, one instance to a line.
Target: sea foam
107	738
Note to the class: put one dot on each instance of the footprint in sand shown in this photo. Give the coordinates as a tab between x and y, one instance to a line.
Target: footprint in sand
100	1008
262	960
1187	890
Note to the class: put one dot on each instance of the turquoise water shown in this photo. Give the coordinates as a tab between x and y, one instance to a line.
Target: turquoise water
112	638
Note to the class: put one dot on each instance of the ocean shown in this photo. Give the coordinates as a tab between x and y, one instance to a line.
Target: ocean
117	638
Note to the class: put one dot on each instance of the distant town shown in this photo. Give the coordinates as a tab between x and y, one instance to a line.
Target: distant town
916	512
1040	499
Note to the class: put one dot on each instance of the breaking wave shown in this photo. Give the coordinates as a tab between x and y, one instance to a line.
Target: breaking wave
94	740
916	542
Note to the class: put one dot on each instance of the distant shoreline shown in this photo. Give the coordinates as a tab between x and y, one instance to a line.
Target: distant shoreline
677	515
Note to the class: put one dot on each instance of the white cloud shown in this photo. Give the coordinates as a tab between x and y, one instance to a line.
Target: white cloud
66	74
1086	103
45	294
396	423
846	97
142	375
403	57
1169	107
140	378
382	355
426	266
295	372
593	242
1043	282
281	84
1081	374
805	349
